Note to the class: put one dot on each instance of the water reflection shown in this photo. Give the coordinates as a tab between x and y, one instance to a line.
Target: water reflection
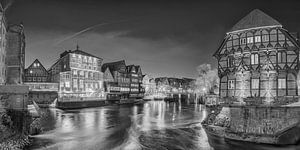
153	125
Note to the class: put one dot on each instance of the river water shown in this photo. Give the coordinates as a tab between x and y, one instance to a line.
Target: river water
152	125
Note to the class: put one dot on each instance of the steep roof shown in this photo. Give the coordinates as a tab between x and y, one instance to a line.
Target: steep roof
255	19
113	66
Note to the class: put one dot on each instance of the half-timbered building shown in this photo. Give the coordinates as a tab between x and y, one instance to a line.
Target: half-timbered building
258	58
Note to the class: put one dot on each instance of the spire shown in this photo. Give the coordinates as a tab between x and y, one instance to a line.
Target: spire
255	19
77	47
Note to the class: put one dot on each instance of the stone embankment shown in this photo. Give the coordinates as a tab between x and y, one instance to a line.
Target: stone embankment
264	124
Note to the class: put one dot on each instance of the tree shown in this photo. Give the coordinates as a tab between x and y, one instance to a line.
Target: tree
207	80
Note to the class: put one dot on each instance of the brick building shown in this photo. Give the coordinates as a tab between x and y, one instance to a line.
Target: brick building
79	76
15	54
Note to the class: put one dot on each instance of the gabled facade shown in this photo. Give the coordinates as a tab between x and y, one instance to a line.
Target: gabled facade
126	83
136	79
36	72
116	81
79	75
258	58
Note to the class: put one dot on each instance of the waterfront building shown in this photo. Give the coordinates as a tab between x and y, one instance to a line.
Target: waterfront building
79	76
41	90
116	80
149	85
2	47
15	54
258	58
174	87
121	81
136	79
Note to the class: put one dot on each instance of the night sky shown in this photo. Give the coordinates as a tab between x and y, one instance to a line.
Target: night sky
167	37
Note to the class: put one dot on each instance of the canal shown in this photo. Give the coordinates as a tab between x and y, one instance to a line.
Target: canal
152	125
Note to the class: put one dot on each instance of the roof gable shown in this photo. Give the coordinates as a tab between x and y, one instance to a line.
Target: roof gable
37	65
255	19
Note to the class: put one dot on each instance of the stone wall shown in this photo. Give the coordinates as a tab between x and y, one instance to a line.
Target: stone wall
262	120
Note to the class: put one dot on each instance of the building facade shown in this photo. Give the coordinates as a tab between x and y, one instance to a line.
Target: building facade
121	81
149	86
136	81
15	54
41	90
116	80
258	58
79	76
174	87
2	47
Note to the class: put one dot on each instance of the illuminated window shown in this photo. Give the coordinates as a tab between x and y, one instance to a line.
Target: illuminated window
265	38
81	83
67	84
81	73
250	40
281	83
257	39
74	72
254	59
230	84
255	83
74	83
30	72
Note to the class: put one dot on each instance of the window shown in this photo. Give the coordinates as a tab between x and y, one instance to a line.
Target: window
254	83
250	40
67	84
230	62
74	83
243	41
30	71
265	38
81	83
230	84
281	56
254	59
257	39
281	83
81	73
74	72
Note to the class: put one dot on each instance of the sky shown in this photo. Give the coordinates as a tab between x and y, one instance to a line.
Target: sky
166	38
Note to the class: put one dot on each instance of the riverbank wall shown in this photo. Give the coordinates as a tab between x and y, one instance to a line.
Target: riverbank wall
264	124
